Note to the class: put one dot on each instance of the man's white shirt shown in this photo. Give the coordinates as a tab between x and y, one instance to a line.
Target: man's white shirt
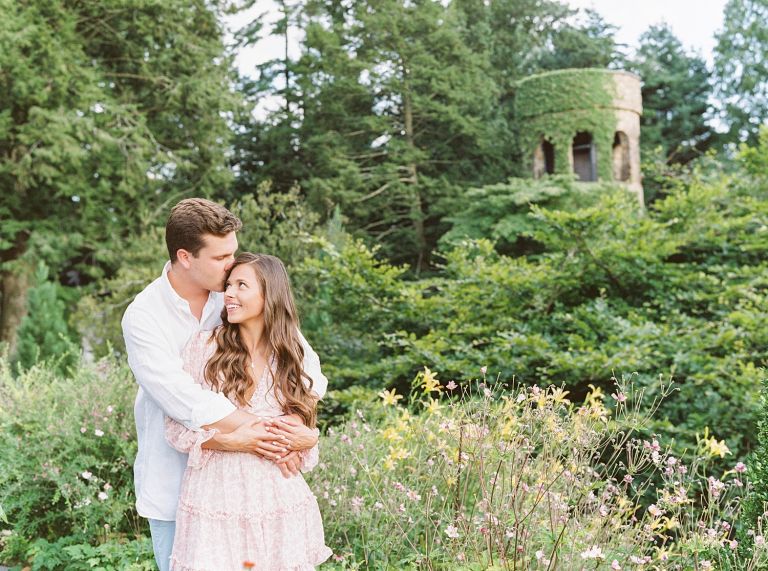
156	327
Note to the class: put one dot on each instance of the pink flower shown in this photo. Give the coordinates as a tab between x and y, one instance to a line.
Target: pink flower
628	479
740	467
451	385
452	531
620	397
483	369
413	495
357	502
615	565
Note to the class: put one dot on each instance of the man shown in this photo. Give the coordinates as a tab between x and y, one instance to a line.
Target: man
185	299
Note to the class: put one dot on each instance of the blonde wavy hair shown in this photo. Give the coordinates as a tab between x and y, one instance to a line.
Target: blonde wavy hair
227	370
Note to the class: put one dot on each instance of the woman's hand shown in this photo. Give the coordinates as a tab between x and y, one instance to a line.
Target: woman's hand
253	437
294	435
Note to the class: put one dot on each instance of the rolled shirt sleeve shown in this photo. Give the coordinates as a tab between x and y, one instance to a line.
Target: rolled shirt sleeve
158	368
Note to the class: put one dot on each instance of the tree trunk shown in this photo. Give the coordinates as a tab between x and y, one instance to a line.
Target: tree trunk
14	284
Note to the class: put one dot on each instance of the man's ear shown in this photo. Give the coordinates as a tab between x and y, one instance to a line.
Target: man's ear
183	257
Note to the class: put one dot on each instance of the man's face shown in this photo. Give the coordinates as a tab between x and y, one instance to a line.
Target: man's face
210	266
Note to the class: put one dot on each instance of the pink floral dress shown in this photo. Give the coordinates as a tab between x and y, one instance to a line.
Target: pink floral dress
236	507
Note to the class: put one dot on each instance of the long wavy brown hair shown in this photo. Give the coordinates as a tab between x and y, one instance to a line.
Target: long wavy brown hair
227	370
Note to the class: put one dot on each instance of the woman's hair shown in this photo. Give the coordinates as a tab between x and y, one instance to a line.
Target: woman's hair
227	370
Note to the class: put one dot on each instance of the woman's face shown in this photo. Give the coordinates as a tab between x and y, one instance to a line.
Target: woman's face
243	297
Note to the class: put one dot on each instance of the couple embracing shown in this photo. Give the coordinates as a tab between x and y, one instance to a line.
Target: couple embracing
226	407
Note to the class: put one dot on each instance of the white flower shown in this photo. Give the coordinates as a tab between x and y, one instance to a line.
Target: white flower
103	496
98	432
357	502
593	552
759	541
86	475
655	511
452	531
615	565
705	564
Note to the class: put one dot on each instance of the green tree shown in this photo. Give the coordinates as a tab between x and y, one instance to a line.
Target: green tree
676	92
587	41
44	333
110	112
741	67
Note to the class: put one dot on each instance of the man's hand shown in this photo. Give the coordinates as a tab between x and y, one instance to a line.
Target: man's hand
290	464
294	435
254	438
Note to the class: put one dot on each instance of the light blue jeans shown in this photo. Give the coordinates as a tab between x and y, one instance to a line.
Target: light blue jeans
162	541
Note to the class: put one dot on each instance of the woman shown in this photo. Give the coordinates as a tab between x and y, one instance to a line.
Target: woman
234	506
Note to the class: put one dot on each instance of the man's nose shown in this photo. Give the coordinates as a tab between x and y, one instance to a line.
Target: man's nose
230	263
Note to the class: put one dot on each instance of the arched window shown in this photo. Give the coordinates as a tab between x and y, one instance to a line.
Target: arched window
544	159
621	157
584	159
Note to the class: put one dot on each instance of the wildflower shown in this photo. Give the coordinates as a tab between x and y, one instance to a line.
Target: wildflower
615	565
451	385
487	392
401	508
483	370
712	446
628	479
539	555
430	382
413	495
603	511
705	564
433	406
98	432
390	397
461	556
452	531
378	506
740	468
357	502
558	396
83	430
110	408
619	397
398	486
759	541
715	486
102	496
733	544
593	552
738	483
338	558
86	475
655	511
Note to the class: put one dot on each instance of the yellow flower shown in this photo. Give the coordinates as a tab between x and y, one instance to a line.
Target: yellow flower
389	464
558	396
430	382
390	397
398	453
390	433
710	445
433	406
595	396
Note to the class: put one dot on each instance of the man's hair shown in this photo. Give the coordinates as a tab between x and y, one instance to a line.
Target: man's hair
193	218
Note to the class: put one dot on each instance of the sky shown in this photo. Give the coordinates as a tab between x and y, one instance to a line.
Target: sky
694	22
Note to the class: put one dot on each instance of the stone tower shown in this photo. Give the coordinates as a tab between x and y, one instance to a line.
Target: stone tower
582	121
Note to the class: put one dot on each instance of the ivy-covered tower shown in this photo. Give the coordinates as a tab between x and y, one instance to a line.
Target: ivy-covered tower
582	121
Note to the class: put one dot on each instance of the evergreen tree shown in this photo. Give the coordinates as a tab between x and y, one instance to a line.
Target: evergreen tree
44	334
587	41
741	67
676	91
109	112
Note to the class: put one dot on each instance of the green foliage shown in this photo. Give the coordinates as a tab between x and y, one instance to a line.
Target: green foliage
741	68
756	503
66	449
676	91
555	106
502	212
44	333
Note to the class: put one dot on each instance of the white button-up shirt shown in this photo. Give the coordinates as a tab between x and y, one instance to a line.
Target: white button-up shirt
156	327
